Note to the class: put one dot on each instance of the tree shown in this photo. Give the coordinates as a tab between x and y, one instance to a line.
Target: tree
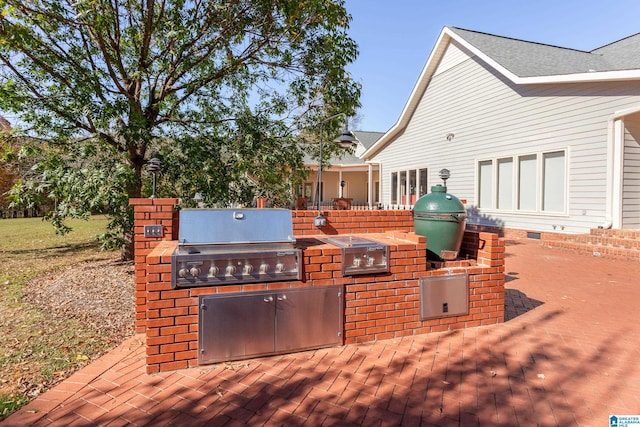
7	172
218	90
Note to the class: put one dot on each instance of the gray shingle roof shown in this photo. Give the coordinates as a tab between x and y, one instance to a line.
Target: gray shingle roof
529	59
625	53
366	139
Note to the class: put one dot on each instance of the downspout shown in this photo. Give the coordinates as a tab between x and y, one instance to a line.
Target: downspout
617	184
615	159
608	223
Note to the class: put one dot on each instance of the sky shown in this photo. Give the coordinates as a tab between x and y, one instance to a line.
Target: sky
395	38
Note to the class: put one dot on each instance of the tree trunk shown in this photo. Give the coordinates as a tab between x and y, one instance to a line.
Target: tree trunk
128	248
127	252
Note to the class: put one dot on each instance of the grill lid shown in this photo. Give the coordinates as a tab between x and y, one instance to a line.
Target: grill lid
232	226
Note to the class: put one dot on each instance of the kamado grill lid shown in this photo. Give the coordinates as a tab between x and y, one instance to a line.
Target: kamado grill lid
232	226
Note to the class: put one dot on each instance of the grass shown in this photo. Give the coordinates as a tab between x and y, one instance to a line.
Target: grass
37	349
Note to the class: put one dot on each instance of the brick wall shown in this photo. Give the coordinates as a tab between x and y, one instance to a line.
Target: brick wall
380	306
345	222
383	307
148	212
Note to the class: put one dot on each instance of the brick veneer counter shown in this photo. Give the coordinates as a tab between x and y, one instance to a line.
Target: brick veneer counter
377	306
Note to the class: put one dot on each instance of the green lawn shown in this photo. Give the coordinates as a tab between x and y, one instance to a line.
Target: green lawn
37	349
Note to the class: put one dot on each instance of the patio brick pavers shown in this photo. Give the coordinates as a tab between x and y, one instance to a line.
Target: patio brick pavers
566	356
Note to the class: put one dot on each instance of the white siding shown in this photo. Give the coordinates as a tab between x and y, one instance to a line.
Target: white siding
631	176
453	56
491	118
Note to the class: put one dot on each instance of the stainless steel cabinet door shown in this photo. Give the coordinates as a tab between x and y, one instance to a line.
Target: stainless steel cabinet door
309	318
235	327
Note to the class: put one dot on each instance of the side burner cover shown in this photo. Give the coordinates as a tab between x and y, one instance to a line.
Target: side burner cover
361	255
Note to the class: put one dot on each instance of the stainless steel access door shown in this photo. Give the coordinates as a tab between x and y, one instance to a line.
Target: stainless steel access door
235	326
444	296
309	318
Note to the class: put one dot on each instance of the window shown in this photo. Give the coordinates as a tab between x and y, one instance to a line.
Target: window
505	183
485	184
527	167
394	188
422	178
553	183
529	183
304	190
408	185
412	186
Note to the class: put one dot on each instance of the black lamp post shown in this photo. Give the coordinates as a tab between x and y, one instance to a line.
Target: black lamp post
154	167
346	139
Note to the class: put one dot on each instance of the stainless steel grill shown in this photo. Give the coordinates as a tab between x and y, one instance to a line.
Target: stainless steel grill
234	246
360	255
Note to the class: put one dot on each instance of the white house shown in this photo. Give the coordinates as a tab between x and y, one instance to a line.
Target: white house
360	180
536	137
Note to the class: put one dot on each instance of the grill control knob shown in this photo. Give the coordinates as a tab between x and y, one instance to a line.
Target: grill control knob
279	267
195	271
264	268
183	272
357	262
213	271
247	269
231	269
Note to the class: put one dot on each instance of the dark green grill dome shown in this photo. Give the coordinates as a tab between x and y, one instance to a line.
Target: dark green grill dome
441	218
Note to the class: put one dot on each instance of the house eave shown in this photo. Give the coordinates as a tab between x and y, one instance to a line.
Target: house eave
434	59
591	76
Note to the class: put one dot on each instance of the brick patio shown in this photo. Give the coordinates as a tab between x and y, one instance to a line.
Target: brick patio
566	355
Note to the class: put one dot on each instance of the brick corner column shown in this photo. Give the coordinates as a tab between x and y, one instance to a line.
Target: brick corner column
492	257
148	212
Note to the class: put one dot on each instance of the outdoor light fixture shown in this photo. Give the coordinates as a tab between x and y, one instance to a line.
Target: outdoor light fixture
444	175
346	140
198	199
154	167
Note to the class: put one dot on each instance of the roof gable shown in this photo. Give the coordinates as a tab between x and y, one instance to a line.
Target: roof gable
523	62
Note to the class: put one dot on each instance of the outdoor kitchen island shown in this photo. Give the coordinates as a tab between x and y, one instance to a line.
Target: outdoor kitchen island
365	307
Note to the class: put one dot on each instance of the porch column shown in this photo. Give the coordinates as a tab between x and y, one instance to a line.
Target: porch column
370	185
